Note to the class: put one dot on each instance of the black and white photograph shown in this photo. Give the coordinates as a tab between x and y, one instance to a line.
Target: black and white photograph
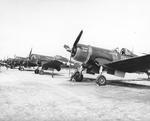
74	60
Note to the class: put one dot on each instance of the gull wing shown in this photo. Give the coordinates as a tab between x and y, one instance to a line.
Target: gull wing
134	64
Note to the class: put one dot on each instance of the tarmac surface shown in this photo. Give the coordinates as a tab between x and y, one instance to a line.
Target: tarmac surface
25	96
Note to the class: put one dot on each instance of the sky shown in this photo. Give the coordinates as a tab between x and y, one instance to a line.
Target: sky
46	25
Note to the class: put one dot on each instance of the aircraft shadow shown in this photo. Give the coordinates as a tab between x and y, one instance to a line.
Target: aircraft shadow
88	80
122	83
28	70
50	73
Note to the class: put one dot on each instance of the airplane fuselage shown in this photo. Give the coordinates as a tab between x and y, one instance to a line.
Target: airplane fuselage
90	56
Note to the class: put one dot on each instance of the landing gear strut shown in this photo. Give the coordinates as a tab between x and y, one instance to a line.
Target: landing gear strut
101	80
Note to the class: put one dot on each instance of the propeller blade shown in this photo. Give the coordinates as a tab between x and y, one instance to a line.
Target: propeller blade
30	53
78	38
74	48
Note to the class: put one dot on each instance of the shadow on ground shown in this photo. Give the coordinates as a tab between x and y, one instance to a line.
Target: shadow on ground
50	73
122	83
28	70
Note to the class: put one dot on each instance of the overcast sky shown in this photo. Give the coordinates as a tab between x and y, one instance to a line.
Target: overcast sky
46	25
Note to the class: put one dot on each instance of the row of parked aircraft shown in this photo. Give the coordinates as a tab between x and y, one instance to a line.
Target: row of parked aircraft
42	62
94	60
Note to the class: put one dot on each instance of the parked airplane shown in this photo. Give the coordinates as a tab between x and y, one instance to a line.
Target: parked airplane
98	60
3	63
27	63
46	62
18	61
21	62
12	62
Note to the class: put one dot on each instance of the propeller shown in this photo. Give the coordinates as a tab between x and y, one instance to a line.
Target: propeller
30	54
74	48
28	59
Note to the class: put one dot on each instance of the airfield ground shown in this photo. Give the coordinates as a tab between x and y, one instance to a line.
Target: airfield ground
25	96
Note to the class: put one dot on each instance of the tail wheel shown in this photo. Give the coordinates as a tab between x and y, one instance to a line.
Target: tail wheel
101	80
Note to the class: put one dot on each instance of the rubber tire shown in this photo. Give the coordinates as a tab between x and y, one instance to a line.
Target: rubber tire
78	77
101	80
36	71
19	68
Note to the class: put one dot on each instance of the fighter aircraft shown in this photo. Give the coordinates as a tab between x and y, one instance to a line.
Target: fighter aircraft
46	62
97	60
20	62
11	62
16	62
27	63
3	63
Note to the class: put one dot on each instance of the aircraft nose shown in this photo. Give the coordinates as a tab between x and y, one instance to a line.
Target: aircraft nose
33	58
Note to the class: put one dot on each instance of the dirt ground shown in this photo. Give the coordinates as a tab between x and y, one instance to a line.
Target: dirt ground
25	96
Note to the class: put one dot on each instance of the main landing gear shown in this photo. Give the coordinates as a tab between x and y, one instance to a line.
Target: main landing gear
36	71
77	76
41	71
21	68
101	80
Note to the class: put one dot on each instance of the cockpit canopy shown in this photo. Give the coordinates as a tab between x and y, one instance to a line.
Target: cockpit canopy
125	51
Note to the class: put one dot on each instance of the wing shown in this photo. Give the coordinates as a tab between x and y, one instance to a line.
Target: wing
135	64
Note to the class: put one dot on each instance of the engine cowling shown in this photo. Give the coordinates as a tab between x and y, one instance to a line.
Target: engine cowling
83	53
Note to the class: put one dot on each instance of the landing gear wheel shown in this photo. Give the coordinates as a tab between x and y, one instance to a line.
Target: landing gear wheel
78	77
36	71
20	68
41	72
101	80
12	67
